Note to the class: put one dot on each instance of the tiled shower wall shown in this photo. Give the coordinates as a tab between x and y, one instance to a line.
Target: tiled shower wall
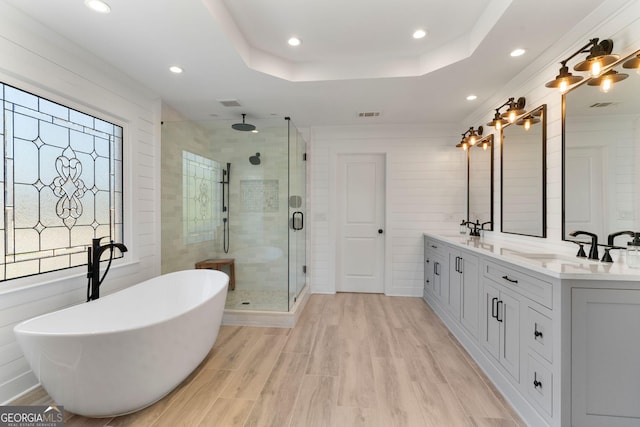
258	203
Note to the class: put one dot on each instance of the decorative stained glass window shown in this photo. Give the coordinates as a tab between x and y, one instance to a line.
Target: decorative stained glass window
62	181
199	197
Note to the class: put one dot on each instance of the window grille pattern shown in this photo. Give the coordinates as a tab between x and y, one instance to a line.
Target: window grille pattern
201	203
62	181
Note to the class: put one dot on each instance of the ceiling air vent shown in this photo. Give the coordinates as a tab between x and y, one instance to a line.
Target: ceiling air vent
602	104
229	102
369	114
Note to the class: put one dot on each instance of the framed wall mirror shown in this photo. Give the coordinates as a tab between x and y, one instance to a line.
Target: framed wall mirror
601	155
480	182
523	148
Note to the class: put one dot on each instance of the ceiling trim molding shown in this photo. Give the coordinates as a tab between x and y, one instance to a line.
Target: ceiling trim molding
360	68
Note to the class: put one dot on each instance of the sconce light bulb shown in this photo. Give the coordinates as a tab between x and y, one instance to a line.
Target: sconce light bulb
596	68
527	124
605	85
563	86
484	146
512	116
472	139
464	146
498	125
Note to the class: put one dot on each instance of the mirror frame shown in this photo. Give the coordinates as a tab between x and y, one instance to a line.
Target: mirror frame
613	66
543	123
491	140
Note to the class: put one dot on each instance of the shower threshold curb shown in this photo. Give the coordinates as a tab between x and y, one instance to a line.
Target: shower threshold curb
270	319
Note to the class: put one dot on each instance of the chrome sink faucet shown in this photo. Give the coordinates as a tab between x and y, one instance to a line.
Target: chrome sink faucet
593	252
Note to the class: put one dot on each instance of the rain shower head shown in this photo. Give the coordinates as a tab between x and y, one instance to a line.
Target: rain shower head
255	160
245	127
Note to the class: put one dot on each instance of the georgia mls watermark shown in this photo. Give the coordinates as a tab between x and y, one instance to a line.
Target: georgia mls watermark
31	416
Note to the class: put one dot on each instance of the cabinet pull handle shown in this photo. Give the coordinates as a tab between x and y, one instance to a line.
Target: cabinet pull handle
493	307
457	268
536	383
536	332
509	279
434	246
427	261
460	264
498	311
435	268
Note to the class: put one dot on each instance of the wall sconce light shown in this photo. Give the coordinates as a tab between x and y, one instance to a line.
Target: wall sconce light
470	137
607	80
527	121
633	63
515	109
484	144
599	57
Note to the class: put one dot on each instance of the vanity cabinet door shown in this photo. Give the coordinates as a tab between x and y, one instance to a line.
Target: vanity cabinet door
491	327
605	357
469	285
455	284
501	327
441	277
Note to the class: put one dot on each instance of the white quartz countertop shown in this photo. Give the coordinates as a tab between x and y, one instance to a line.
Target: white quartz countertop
552	259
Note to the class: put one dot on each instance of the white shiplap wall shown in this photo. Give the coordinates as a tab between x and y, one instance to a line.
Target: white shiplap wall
425	190
39	61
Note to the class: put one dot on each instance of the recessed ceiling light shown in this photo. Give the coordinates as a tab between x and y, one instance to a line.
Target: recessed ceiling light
419	34
517	52
471	97
175	69
255	131
294	41
97	6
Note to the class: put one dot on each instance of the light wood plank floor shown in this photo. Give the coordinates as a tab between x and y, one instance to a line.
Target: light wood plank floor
352	360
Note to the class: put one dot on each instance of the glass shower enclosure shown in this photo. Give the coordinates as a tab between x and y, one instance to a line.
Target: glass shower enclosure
240	195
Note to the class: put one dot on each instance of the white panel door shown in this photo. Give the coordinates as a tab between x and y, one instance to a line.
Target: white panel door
360	254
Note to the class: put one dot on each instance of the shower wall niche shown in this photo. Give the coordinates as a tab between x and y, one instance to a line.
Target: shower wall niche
264	205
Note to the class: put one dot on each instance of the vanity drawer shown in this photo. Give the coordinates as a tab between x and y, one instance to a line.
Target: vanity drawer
435	247
539	385
539	334
537	289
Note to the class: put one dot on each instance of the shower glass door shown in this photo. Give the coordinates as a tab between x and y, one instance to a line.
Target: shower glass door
297	210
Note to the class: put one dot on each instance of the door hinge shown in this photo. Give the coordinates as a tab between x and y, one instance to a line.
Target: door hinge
304	157
304	269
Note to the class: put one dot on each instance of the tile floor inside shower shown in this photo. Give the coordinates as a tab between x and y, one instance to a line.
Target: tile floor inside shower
257	299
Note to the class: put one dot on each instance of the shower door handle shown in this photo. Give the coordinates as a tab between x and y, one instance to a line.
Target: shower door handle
301	220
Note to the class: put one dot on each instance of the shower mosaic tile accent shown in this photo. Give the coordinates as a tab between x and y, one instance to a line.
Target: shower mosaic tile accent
259	195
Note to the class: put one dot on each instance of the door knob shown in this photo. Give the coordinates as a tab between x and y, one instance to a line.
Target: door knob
380	231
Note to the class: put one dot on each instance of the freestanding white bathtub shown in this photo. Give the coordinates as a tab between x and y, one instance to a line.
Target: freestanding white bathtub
125	351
